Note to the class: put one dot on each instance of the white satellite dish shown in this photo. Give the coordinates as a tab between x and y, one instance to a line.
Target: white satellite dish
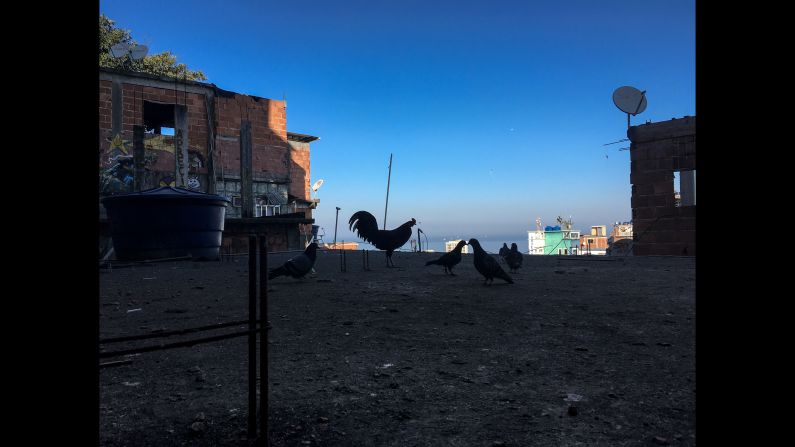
121	49
630	100
138	51
317	185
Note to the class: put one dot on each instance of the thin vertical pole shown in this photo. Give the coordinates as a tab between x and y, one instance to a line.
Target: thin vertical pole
263	339
252	337
335	227
388	180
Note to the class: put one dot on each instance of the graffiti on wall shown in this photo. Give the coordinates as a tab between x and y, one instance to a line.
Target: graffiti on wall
118	178
193	182
196	160
117	173
157	142
167	180
180	155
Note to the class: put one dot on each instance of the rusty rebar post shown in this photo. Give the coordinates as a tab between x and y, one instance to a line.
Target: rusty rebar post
263	340
252	338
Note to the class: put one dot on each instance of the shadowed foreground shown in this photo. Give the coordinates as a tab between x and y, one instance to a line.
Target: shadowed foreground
410	356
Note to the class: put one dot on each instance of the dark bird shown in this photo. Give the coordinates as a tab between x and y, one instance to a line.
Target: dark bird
390	240
298	266
449	259
504	250
514	258
487	265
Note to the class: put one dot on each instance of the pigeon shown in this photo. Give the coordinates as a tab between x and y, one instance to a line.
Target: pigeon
514	258
298	266
449	259
504	250
487	265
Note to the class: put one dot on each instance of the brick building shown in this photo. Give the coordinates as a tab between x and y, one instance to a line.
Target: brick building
620	241
158	131
664	223
594	243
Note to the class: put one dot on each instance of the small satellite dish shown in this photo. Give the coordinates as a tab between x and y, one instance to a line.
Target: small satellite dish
120	49
138	51
630	100
317	185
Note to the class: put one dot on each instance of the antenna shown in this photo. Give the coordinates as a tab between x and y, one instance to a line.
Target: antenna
630	100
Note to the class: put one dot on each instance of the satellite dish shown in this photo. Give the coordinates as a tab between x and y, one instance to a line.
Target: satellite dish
138	51
120	49
317	185
630	100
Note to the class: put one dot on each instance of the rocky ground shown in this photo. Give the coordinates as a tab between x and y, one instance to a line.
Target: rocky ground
594	351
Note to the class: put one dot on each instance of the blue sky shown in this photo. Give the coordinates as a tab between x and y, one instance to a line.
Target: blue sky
496	111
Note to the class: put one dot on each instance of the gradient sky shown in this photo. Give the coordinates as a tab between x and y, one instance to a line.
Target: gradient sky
496	112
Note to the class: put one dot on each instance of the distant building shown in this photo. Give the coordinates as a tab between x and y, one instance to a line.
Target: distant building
535	242
450	245
557	240
594	243
620	241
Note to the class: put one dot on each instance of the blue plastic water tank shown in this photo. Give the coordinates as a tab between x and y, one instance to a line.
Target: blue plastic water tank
166	222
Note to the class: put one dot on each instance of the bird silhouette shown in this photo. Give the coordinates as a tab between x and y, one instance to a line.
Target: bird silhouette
366	227
298	266
449	259
514	258
504	250
487	265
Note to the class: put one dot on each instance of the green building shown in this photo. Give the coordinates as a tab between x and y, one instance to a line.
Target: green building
561	242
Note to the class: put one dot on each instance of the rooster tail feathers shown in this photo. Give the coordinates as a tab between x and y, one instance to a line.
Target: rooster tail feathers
364	224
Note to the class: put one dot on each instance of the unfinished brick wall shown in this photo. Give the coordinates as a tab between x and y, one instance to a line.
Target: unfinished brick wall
597	242
300	170
277	167
274	160
657	150
269	147
105	101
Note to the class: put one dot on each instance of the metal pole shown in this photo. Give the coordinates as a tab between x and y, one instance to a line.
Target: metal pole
388	180
335	227
252	338
263	339
419	241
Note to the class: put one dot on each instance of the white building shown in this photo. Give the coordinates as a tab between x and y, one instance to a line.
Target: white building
450	245
535	242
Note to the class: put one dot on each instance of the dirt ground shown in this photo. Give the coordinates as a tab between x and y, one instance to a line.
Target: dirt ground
409	356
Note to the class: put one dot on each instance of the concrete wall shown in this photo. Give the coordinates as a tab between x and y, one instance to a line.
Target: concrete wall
657	150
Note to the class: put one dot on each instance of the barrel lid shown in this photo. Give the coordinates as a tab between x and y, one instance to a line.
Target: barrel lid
165	193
